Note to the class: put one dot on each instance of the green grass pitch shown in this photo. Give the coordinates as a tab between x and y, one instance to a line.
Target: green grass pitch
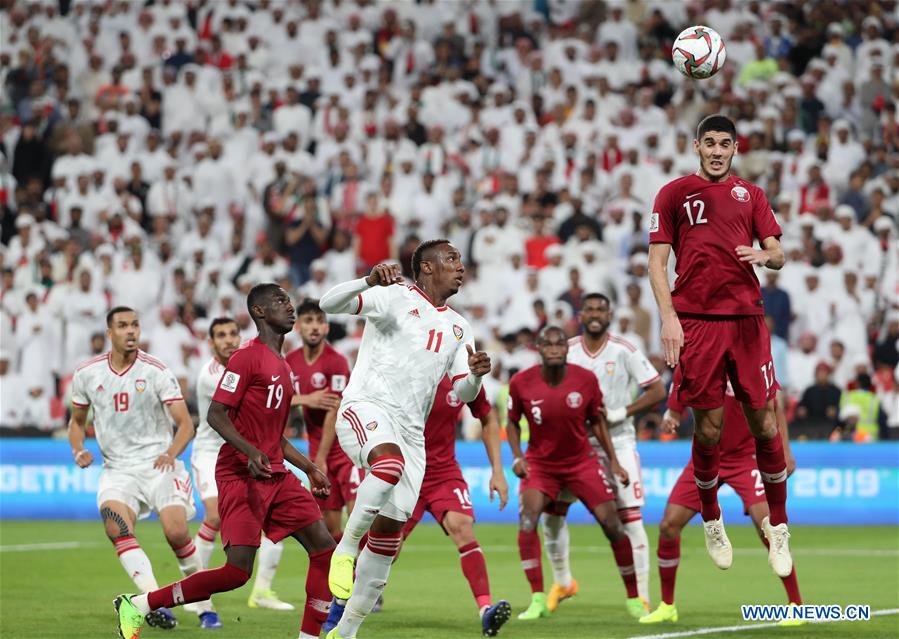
66	592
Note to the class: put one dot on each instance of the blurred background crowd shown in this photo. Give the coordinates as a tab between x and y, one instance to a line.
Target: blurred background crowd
168	155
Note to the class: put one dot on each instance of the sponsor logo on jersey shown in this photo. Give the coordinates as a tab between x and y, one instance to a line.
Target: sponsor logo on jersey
229	381
371	425
610	368
574	399
452	399
654	222
414	313
318	380
338	383
457	331
140	385
740	194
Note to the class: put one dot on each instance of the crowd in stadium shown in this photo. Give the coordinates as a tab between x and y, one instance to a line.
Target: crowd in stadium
170	155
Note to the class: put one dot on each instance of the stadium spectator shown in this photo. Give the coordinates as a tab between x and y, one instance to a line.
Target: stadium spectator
818	410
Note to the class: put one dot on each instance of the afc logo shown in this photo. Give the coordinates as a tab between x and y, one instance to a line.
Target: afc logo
574	399
740	194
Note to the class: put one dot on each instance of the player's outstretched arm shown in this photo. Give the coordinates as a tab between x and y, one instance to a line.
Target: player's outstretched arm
478	364
257	462
83	457
770	255
490	435
672	333
346	297
329	434
513	436
318	480
183	435
651	395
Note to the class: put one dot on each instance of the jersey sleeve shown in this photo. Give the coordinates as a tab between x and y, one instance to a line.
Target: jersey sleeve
340	374
595	401
663	220
764	224
514	403
480	406
167	388
235	380
641	369
373	302
459	366
79	390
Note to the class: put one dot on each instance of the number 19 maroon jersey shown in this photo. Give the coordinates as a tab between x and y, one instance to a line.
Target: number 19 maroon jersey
705	222
257	388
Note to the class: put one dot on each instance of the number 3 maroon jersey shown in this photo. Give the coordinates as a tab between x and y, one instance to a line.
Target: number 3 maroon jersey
705	222
257	388
330	372
440	429
556	415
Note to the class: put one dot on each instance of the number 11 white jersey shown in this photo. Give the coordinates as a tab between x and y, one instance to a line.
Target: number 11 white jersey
617	366
130	420
407	347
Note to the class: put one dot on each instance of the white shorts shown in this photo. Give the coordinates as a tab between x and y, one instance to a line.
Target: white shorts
630	496
202	464
360	427
144	489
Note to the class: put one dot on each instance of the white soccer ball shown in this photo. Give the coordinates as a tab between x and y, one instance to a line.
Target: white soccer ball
698	52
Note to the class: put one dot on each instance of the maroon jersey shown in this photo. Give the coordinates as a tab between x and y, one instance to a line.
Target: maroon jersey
704	222
256	387
440	429
557	415
331	371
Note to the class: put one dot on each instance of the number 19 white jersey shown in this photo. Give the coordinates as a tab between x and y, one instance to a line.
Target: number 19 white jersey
130	420
407	347
207	440
617	366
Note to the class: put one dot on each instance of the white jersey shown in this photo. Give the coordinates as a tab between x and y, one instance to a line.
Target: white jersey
130	420
407	347
618	366
207	440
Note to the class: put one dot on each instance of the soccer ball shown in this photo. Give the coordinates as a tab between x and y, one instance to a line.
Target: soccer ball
698	52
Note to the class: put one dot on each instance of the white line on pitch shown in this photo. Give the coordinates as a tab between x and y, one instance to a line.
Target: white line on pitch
747	626
54	545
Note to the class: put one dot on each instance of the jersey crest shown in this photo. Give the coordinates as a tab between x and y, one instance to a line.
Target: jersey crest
740	194
457	331
452	399
574	399
140	385
610	368
318	380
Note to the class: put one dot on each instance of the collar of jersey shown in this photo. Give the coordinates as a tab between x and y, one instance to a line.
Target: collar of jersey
422	293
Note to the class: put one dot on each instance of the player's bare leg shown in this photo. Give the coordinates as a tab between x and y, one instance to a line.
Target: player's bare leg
333	520
174	527
372	571
556	542
606	515
532	503
387	465
759	512
209	530
118	521
769	453
460	528
262	595
319	543
706	458
675	518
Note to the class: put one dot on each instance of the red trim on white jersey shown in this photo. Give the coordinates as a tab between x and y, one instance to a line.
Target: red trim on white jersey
124	372
589	354
651	381
173	400
358	308
458	377
422	293
80	405
356	425
152	361
623	342
91	362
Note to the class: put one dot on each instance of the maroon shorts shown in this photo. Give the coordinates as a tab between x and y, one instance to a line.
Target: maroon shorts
441	494
715	350
345	479
585	480
742	476
277	506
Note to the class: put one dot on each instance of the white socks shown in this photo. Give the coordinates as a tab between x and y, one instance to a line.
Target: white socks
371	496
269	558
205	543
640	546
372	570
189	562
556	543
137	565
